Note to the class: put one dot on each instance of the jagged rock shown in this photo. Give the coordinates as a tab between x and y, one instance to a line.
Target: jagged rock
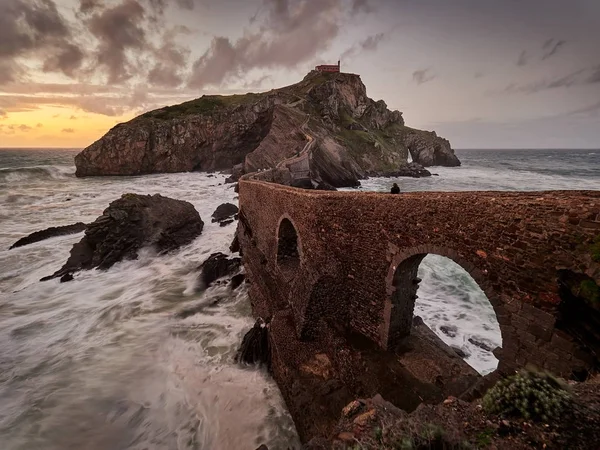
235	244
328	116
428	149
129	223
66	277
255	345
236	281
224	212
48	233
216	266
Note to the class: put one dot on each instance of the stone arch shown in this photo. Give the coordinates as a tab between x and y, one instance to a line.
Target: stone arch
289	249
402	286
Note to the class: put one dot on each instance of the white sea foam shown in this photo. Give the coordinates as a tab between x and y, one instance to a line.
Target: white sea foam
101	362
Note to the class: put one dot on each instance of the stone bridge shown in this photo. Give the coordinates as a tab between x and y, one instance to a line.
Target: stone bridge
350	259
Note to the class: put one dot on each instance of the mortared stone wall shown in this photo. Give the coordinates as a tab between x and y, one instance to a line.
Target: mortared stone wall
358	253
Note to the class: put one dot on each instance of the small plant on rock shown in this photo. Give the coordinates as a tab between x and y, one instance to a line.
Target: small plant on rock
529	394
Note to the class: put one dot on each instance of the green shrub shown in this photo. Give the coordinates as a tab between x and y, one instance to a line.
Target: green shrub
528	394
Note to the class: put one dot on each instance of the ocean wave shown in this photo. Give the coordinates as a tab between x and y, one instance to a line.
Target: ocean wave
19	174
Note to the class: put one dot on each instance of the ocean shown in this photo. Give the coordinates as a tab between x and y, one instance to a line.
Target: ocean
103	363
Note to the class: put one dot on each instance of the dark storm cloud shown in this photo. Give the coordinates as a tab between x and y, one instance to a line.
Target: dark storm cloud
548	50
591	110
293	33
551	47
359	6
118	29
423	76
582	77
171	61
86	6
35	28
522	61
369	44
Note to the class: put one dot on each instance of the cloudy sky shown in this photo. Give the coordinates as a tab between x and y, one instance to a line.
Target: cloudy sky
483	73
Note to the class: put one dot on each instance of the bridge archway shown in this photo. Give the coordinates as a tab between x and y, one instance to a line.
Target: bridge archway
288	246
403	286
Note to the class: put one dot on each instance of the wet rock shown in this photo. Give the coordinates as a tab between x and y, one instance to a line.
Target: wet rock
235	244
217	266
460	352
224	223
224	211
130	223
48	233
66	277
481	344
237	280
255	345
449	330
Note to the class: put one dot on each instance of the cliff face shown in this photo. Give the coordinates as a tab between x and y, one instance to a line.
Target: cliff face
326	119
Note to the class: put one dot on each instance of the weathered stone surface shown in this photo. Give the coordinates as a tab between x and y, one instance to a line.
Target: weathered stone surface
48	233
224	212
428	149
359	254
129	223
217	266
326	119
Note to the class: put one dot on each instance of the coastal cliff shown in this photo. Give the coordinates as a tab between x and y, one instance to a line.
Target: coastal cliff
326	120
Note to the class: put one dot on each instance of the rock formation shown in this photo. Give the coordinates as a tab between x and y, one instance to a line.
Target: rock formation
324	126
129	223
48	233
217	266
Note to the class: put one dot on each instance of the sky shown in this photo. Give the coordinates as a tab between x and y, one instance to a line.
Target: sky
482	73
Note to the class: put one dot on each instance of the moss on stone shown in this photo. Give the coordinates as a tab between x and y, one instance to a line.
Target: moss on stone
590	292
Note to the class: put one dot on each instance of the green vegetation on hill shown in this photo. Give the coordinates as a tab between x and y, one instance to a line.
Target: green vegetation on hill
207	104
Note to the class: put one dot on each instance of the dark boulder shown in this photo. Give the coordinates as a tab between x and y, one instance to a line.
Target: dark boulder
48	233
224	211
255	345
217	266
237	280
324	186
130	223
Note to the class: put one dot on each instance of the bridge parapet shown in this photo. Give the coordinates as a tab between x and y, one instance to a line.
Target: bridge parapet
360	251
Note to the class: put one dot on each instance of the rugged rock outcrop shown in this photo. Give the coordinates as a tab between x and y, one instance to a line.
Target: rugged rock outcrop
324	125
224	212
217	266
428	149
129	223
48	233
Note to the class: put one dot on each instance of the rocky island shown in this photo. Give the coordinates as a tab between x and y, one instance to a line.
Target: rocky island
325	126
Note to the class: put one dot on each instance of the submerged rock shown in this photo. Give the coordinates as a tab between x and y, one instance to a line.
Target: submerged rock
130	223
48	233
217	266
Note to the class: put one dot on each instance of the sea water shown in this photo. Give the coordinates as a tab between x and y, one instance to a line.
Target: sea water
103	362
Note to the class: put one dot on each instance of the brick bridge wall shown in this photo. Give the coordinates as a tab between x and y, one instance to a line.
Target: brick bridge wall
359	252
